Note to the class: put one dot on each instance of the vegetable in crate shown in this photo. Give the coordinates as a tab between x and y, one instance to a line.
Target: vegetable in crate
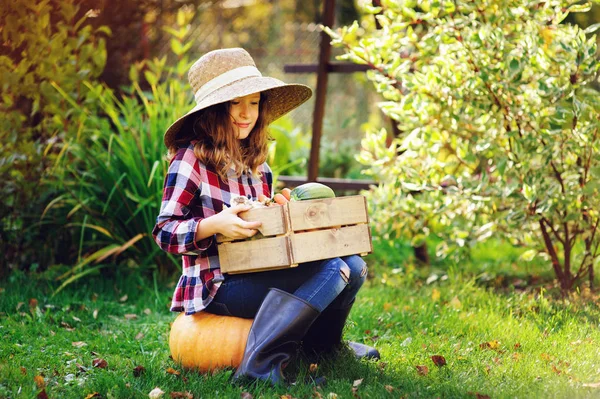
310	191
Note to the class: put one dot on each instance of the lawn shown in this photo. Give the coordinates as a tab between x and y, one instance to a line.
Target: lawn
443	331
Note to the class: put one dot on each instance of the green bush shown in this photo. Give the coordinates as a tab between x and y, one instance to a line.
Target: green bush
42	43
499	127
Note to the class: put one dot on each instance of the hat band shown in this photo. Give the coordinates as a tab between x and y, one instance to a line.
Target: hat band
225	79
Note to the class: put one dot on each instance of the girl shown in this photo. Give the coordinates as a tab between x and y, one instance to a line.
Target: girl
218	151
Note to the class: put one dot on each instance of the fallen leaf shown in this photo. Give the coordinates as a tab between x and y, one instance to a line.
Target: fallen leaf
422	370
156	393
184	395
39	381
139	336
42	394
479	395
556	370
332	395
81	368
382	365
95	314
286	396
123	298
546	357
99	363
357	383
138	370
313	367
389	388
78	344
455	303
435	295
517	345
23	371
171	370
516	356
93	395
490	345
147	311
76	318
592	385
316	394
246	395
387	306
19	304
130	316
438	360
33	303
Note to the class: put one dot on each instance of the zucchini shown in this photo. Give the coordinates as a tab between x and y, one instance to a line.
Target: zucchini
310	191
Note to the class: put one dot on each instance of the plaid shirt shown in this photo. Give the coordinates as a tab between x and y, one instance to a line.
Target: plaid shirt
193	191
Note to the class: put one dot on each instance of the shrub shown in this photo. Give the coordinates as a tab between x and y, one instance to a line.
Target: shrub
42	42
499	126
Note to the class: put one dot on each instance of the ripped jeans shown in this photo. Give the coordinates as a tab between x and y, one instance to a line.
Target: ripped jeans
331	283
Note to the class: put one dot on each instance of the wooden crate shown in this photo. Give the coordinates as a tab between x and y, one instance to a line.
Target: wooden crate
299	232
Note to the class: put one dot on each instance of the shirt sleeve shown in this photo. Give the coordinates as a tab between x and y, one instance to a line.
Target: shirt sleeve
175	228
268	179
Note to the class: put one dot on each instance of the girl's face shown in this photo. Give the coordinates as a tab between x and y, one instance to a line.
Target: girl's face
244	113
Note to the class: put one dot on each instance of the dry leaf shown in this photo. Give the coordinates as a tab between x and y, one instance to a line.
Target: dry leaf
517	345
490	345
42	394
156	393
516	356
316	394
138	370
76	318
438	360
23	371
479	395
147	311
435	295
246	395
313	368
93	395
139	336
100	363
592	385
39	381
389	388
95	314
332	395
19	305
387	306
556	370
123	298
357	383
130	316
184	395
33	303
455	303
422	370
286	396
81	368
78	344
171	370
546	357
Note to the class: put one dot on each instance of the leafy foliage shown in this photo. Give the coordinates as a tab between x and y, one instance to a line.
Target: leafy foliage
499	126
42	43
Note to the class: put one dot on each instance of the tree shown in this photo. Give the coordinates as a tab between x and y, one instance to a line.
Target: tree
499	126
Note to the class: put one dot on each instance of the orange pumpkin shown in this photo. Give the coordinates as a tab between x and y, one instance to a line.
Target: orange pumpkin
205	341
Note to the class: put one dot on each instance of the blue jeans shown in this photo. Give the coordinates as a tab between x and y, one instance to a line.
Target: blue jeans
330	283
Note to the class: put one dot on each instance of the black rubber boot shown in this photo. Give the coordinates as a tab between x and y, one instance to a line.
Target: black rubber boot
275	335
325	336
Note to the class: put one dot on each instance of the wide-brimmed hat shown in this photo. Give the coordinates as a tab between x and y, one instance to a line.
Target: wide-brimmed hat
222	75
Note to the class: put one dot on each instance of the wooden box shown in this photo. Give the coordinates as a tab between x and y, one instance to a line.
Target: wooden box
298	232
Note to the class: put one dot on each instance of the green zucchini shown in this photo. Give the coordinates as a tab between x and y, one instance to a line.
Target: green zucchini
310	191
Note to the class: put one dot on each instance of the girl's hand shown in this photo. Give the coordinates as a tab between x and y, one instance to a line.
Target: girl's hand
228	223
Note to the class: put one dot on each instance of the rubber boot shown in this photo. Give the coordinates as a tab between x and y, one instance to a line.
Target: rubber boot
325	336
275	335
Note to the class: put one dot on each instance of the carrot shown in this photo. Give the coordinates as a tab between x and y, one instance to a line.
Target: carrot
280	199
287	193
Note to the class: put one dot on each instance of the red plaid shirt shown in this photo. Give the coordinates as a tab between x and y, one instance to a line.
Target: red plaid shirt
193	191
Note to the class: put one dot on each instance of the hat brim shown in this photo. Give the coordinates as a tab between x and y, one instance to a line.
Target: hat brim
281	99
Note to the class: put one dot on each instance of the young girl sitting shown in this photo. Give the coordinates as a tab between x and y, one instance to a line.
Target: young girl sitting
218	151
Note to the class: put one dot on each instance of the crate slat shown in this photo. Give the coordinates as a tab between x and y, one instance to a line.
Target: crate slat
328	212
255	255
273	221
331	243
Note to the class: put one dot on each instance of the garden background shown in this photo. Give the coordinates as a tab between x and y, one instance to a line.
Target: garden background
495	170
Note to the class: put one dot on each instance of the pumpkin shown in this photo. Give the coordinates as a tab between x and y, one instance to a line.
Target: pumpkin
206	341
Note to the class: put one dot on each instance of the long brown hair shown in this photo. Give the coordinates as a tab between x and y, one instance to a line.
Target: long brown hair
217	143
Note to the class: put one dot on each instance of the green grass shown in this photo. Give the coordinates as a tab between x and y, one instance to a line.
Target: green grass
538	347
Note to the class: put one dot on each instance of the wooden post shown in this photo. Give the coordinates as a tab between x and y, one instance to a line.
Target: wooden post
321	92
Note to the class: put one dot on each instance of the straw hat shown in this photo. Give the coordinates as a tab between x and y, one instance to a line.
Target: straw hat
222	75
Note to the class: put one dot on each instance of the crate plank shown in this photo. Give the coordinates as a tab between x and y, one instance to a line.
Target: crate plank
328	212
331	243
255	255
273	220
